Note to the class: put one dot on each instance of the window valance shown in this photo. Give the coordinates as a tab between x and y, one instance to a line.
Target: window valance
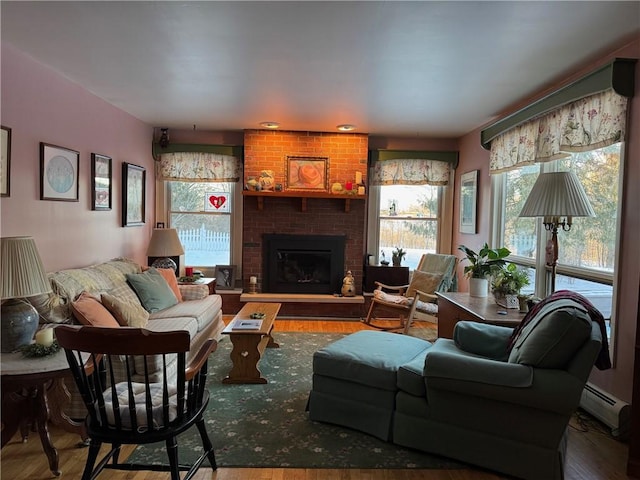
586	124
199	167
397	167
584	115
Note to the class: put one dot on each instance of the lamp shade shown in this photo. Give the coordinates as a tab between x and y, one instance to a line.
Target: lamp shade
22	274
557	194
165	243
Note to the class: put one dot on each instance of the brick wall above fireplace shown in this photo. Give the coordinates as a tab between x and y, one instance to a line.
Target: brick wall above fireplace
268	150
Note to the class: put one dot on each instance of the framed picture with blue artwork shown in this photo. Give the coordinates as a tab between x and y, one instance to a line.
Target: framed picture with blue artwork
133	194
58	173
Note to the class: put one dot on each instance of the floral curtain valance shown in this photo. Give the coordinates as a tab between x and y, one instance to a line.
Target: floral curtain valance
199	167
586	124
410	172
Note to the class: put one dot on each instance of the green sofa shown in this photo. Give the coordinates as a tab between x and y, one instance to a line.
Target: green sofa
481	397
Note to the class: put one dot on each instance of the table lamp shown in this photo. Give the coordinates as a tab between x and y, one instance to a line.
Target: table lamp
557	197
22	276
164	244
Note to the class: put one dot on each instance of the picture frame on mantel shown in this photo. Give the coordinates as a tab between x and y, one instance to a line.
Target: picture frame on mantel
5	161
133	194
468	201
307	174
101	183
59	173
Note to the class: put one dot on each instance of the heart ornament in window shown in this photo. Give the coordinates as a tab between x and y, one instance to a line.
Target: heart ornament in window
217	201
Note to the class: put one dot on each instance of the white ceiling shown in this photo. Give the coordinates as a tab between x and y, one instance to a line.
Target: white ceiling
433	69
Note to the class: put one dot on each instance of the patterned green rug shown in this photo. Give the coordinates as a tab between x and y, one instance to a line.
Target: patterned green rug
267	426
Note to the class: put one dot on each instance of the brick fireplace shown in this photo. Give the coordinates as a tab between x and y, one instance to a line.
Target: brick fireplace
267	150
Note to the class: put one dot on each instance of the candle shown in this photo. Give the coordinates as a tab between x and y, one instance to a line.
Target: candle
358	178
253	280
360	190
188	271
44	337
349	185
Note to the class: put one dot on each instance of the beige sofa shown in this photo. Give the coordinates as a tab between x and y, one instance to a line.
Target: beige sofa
199	313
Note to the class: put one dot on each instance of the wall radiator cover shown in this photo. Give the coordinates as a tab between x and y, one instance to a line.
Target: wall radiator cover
610	410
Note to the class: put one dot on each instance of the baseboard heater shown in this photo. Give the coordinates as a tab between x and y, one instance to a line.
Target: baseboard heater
610	410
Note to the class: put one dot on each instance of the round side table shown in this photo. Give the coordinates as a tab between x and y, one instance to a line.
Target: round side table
34	393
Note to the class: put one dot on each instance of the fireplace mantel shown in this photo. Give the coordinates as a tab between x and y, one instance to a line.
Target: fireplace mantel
303	196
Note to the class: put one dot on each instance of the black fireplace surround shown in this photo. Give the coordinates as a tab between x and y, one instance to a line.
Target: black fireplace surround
303	263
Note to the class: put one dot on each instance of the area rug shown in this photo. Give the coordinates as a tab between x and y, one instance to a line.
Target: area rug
267	425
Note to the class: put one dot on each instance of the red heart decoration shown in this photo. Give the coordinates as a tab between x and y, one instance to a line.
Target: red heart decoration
217	202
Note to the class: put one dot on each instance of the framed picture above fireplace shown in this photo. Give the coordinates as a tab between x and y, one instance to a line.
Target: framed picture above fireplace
307	174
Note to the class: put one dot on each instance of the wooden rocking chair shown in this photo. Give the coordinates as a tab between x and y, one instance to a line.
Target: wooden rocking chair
435	273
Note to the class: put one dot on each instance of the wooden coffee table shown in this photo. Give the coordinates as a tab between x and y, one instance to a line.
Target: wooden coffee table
249	345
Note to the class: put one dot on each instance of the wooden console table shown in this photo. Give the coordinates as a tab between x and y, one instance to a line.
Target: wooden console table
456	306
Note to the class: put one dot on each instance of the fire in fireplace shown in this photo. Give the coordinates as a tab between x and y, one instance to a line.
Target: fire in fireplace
303	263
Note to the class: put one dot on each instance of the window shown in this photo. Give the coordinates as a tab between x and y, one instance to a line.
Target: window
202	212
587	253
406	216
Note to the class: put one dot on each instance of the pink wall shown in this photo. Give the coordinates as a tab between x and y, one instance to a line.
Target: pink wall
617	381
39	105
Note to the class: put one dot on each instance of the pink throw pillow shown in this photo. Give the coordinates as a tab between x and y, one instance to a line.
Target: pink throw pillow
89	311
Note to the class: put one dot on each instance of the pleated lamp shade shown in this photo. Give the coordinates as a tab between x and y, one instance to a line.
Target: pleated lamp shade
557	194
23	274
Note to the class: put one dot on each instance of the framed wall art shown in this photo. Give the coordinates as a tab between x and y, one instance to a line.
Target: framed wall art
308	173
5	161
468	201
225	277
100	182
58	173
133	194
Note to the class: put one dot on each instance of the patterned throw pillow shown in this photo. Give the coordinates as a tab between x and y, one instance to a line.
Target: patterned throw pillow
89	311
126	313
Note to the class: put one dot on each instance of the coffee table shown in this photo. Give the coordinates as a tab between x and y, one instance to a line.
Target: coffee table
249	345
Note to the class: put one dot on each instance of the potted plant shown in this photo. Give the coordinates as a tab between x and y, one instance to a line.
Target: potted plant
507	283
481	265
397	255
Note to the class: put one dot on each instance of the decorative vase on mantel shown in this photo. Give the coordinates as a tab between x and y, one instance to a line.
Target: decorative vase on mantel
478	287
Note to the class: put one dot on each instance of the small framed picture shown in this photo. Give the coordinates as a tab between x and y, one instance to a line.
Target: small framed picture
58	173
468	199
100	182
225	277
133	194
217	202
308	173
5	161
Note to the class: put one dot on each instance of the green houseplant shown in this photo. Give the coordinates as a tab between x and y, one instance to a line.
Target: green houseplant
482	264
506	285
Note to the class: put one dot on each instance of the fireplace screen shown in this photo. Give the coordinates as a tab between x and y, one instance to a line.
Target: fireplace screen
303	263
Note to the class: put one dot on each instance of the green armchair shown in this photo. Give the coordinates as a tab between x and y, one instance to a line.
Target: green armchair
500	402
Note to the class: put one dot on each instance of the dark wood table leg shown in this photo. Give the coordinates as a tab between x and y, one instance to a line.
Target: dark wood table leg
40	411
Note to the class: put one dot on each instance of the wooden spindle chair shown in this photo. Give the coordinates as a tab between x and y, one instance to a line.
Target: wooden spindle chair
138	410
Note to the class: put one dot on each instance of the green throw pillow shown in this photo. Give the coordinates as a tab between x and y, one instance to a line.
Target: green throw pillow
152	289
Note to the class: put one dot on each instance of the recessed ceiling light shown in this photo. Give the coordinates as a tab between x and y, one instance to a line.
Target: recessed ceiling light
271	125
346	127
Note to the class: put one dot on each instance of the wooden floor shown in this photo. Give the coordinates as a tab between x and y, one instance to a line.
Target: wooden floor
592	453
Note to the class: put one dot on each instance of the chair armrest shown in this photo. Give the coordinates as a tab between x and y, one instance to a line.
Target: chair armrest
398	288
544	389
198	360
426	297
491	341
193	292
